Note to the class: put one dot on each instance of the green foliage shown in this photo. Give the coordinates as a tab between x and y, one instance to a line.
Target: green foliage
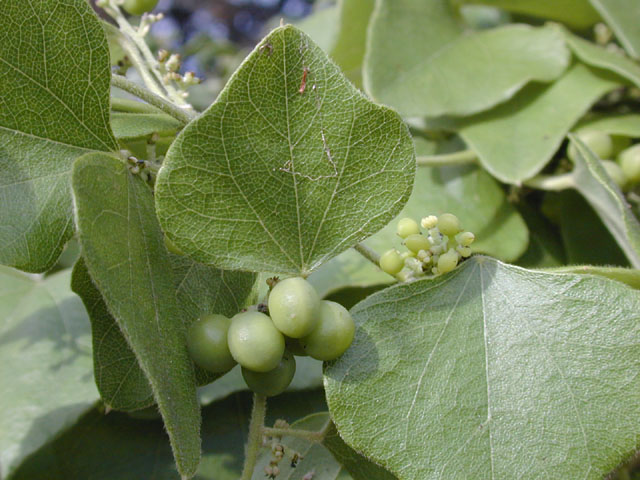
621	16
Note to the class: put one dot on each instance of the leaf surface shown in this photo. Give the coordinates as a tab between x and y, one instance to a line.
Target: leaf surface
134	125
622	16
492	371
125	255
287	169
45	363
54	107
626	125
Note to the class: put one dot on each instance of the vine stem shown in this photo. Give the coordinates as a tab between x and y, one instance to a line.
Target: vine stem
315	437
176	112
256	426
368	253
553	183
455	158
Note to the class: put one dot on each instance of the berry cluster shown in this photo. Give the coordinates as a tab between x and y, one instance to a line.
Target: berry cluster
438	251
299	323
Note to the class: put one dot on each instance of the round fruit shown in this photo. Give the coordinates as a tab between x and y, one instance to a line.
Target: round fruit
273	382
417	242
629	160
448	224
138	7
391	262
447	261
293	307
615	173
255	342
465	238
407	226
333	334
599	142
207	343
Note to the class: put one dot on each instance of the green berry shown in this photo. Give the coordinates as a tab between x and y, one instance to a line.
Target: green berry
448	224
333	334
138	7
407	226
465	238
615	172
293	307
464	251
171	247
207	343
417	242
598	142
273	382
255	342
447	261
391	262
629	160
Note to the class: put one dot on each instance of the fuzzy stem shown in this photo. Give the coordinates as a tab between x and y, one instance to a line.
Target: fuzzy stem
455	158
553	183
157	101
368	253
255	435
315	437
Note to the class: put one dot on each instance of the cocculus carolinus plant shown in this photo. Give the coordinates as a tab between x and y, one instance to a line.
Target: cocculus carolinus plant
429	269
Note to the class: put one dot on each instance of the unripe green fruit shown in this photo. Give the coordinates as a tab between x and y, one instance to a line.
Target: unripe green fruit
255	342
138	7
407	226
598	142
417	242
615	173
465	238
447	261
629	160
293	307
391	262
171	247
273	382
333	334
207	343
448	224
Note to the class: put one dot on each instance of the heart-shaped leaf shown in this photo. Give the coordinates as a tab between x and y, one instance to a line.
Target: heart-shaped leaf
622	17
492	371
291	166
465	75
54	107
125	255
45	363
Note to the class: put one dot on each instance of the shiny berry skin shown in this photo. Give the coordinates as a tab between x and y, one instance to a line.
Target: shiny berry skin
273	382
447	261
207	343
138	7
629	160
293	307
391	262
255	342
448	224
417	242
333	334
406	227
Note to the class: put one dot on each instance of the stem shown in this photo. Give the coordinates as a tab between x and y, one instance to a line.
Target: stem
551	182
455	158
255	435
368	253
151	98
315	437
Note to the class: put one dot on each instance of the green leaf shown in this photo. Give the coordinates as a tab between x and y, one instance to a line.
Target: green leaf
469	74
627	125
607	200
622	16
322	26
629	276
271	179
119	447
134	125
45	363
600	57
575	13
125	254
492	371
54	107
120	380
514	141
349	49
545	248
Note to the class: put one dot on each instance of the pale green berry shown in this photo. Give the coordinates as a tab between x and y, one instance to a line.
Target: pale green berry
465	238
333	334
391	262
293	307
598	142
464	251
408	254
417	242
273	382
615	173
407	226
629	160
448	261
207	343
255	342
429	222
138	7
448	224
